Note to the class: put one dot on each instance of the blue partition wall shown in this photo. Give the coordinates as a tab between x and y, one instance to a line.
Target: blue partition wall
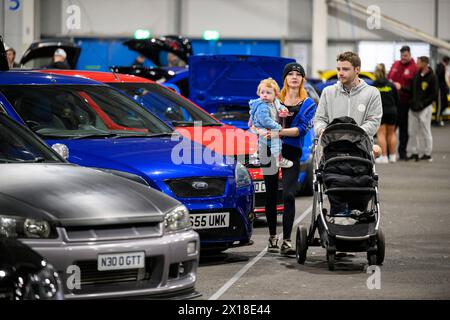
100	54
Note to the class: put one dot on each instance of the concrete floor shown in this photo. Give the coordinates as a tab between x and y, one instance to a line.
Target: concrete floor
415	204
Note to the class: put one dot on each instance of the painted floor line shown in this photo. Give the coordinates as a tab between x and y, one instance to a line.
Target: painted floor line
241	272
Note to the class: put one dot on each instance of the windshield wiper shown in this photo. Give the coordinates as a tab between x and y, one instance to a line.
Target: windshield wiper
182	123
213	125
141	135
162	134
192	124
95	135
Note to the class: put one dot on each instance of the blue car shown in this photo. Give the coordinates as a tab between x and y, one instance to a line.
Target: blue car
102	128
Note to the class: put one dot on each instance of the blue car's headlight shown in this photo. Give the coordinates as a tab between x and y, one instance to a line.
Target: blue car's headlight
19	227
177	219
242	176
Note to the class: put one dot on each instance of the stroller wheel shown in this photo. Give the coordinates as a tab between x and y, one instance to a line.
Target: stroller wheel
380	247
301	245
330	258
377	257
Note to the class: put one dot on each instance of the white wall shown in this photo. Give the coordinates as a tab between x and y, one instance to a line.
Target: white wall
51	17
12	35
254	19
236	18
111	18
18	27
418	13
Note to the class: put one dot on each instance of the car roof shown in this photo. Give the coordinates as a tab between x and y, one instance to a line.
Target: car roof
32	77
98	75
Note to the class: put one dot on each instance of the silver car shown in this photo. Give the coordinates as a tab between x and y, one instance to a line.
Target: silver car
106	236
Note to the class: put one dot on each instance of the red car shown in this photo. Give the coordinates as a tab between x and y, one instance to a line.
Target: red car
182	114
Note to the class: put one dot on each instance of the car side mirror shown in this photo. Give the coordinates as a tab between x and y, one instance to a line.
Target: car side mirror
61	149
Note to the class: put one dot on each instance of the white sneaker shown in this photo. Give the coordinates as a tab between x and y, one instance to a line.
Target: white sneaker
382	159
284	163
392	158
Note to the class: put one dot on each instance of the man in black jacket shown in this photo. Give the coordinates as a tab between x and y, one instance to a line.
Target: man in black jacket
59	60
443	88
424	93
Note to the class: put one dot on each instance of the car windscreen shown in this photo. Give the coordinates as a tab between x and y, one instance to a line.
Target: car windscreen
81	111
166	104
18	145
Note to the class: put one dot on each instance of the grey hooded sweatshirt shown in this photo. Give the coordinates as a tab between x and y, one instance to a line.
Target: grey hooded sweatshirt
363	104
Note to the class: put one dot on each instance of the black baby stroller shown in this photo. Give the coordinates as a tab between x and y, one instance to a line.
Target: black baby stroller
344	171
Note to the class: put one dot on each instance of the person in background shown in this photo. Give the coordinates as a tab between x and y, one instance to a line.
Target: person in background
11	57
59	60
139	61
401	74
174	61
386	136
424	92
441	71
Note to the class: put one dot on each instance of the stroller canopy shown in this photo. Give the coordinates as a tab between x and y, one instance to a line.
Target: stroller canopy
343	133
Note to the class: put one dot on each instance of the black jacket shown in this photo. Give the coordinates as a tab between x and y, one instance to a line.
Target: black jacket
59	65
424	91
389	96
440	74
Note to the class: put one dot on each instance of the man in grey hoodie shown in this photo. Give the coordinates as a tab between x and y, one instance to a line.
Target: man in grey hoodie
351	97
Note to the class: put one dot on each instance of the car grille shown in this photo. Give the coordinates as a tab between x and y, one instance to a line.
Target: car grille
207	187
113	232
90	275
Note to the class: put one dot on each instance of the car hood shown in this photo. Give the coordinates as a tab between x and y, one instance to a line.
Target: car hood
156	159
70	195
225	140
221	80
46	49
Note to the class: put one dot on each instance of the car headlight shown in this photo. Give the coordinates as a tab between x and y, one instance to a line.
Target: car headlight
242	176
43	285
177	219
19	227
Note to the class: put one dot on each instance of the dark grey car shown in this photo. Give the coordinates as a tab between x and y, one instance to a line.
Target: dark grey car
107	236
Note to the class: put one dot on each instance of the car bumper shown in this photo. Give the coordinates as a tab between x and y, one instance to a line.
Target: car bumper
161	276
240	206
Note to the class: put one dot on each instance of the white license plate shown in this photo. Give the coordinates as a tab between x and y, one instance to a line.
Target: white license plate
260	186
210	220
119	261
